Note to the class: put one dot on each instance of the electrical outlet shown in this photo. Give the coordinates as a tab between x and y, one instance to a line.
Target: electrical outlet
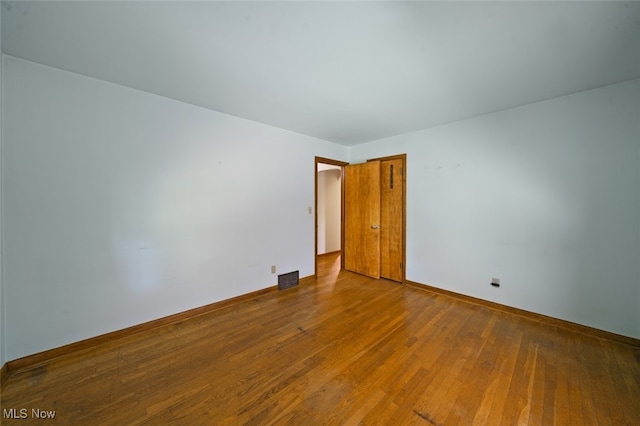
495	282
273	269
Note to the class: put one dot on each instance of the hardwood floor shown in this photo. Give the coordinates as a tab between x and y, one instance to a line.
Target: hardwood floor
342	349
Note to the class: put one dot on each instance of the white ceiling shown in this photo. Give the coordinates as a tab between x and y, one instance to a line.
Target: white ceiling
347	72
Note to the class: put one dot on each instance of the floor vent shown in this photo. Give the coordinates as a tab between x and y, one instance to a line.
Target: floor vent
289	280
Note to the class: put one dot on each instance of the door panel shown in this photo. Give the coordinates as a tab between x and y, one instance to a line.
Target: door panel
391	218
362	219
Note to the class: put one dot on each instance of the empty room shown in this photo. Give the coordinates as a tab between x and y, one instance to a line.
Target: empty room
320	213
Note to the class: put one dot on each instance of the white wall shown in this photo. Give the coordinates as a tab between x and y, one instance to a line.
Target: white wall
2	310
121	207
329	190
545	197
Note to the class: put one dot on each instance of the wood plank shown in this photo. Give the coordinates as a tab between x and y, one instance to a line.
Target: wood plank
339	349
576	328
403	159
46	356
391	219
362	219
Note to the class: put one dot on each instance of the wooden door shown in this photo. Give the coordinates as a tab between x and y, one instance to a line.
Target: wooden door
362	218
391	219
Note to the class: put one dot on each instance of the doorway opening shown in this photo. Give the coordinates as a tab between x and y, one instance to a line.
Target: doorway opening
329	208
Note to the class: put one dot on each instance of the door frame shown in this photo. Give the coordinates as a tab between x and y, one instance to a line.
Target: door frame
402	157
341	164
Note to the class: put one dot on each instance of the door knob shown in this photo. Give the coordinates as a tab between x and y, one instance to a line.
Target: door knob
375	226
